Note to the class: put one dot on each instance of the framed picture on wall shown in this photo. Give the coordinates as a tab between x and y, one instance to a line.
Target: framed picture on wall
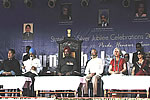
103	17
28	31
66	12
140	9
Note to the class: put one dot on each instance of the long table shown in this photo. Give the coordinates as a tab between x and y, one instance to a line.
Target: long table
12	82
121	82
42	82
72	82
57	83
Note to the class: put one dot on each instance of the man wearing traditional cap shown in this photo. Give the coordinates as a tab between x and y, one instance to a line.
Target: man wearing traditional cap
103	19
31	68
33	64
68	64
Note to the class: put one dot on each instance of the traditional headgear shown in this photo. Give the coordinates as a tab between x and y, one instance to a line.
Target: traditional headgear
68	48
32	51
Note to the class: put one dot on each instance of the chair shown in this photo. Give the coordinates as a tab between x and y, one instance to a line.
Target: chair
75	46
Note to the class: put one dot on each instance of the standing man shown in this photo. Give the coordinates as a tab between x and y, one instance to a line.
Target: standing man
93	72
26	55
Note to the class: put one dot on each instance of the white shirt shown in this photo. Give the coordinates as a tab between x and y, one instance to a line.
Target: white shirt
95	65
129	68
32	62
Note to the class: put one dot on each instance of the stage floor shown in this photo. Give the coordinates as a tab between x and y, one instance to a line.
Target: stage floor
70	98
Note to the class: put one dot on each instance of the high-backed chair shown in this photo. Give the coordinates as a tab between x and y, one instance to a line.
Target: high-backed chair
75	46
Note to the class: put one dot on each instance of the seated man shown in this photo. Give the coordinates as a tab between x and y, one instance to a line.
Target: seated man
117	65
68	65
93	72
31	68
10	66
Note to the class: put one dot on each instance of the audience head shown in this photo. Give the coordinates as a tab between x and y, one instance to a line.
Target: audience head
11	53
67	51
93	53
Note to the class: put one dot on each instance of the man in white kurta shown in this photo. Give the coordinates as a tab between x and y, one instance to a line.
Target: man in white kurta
29	66
30	69
93	72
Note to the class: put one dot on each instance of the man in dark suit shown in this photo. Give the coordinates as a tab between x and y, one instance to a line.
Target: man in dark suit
65	13
27	35
68	65
10	67
104	21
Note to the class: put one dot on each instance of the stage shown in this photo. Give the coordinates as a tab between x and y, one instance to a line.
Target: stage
47	87
70	98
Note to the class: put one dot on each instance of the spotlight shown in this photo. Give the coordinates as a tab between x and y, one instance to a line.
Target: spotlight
126	3
84	3
51	3
28	3
6	3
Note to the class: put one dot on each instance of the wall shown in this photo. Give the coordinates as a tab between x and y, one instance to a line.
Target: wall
124	30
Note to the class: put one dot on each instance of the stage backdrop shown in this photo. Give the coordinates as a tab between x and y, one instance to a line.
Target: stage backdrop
123	28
